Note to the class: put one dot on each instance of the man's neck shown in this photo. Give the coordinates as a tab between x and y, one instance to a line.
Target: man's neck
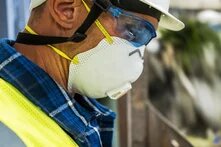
48	60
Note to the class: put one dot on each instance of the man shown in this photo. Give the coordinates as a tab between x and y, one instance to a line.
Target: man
63	61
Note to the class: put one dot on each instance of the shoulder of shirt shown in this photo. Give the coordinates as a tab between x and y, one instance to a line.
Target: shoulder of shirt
6	41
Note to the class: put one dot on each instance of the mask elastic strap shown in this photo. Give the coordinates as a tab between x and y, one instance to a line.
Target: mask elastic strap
59	52
100	26
98	7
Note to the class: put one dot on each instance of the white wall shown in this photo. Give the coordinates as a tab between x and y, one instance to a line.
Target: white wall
196	4
17	15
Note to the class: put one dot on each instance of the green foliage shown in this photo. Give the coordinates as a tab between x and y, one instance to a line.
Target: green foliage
190	42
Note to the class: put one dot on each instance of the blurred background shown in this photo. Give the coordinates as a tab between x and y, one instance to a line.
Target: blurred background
176	102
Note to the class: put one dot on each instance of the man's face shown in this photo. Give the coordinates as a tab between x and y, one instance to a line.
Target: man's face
94	35
110	25
62	18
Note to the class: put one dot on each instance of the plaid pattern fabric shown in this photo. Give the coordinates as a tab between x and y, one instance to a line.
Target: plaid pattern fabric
84	119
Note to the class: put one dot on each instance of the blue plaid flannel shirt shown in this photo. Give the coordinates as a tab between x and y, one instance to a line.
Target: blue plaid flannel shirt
89	123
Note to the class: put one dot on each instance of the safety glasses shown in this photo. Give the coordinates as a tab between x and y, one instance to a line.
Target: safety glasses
136	30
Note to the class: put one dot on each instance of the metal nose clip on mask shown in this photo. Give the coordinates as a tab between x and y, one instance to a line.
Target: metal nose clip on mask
108	69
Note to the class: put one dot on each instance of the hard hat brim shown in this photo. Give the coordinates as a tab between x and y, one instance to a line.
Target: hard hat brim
167	20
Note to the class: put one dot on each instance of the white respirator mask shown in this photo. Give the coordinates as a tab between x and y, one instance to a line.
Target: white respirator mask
106	70
109	69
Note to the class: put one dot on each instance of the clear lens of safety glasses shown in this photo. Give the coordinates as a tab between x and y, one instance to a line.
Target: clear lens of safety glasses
136	30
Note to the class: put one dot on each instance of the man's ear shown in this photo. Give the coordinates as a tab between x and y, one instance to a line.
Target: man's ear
62	11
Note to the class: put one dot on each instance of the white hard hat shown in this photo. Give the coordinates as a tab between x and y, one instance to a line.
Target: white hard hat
36	3
167	20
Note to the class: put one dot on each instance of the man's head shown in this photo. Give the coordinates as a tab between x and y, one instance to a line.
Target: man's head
113	66
166	20
68	15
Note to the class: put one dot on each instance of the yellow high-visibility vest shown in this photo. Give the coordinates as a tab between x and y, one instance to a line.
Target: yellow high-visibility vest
28	122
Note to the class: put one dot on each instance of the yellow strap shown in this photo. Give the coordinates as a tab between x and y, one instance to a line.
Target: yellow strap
30	30
99	25
74	60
